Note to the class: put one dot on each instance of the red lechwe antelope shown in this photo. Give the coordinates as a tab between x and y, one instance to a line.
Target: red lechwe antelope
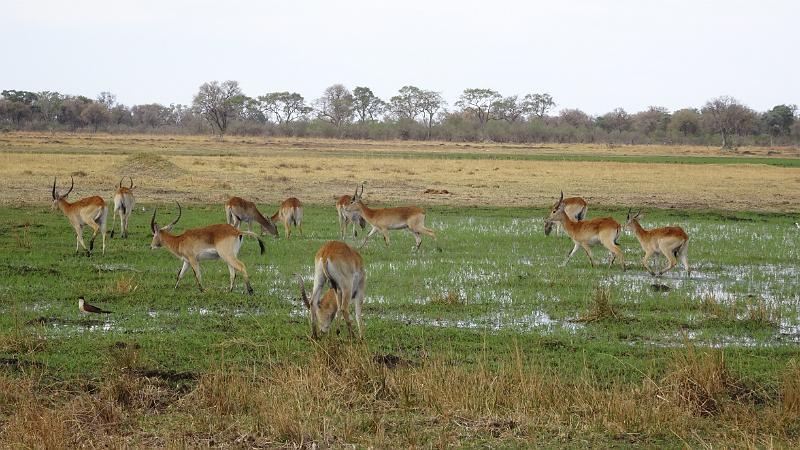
90	211
290	213
385	219
575	207
672	242
238	210
348	217
342	267
220	241
584	234
327	308
124	202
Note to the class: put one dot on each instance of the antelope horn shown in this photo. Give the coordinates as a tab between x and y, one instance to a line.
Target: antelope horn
179	216
629	213
71	186
561	199
362	189
303	291
355	195
131	182
54	188
120	181
153	226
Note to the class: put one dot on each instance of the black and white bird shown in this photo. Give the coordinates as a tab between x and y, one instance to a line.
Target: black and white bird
87	308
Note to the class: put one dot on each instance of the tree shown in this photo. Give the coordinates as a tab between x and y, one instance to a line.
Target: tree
283	106
617	120
726	116
152	115
779	120
480	103
48	104
575	118
219	103
685	121
95	114
538	104
335	105
651	121
121	114
430	102
366	105
406	105
18	105
71	109
107	99
510	109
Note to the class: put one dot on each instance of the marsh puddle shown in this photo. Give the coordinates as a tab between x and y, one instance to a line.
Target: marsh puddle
534	321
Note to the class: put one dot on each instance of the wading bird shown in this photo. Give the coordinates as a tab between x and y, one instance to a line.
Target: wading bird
87	308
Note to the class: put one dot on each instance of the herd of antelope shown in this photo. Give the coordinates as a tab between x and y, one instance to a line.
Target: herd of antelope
337	264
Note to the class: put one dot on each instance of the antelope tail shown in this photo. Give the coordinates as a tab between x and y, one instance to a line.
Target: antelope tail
303	294
260	242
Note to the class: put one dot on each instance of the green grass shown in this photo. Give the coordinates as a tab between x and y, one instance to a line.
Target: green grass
497	280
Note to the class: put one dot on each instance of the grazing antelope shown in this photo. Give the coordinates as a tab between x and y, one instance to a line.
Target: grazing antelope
123	205
347	217
90	211
342	267
221	241
238	210
385	219
327	308
575	207
290	213
584	234
672	242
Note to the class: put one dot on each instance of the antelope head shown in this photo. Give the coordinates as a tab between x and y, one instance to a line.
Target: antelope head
355	199
157	240
57	197
556	214
630	218
123	179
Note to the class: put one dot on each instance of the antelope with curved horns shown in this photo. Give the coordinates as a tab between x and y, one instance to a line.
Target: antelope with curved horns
672	242
238	210
575	207
348	217
290	212
221	241
341	267
328	307
124	202
91	211
584	234
385	219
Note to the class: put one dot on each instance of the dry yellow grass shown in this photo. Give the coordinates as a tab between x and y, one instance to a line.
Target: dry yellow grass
316	171
345	396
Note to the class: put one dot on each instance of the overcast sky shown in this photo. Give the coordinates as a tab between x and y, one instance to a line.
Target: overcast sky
590	54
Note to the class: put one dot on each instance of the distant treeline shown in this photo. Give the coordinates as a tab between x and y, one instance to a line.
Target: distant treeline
414	113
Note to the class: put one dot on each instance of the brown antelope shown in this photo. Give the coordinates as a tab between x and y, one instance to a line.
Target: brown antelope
341	267
348	217
221	241
90	211
327	308
124	202
587	233
575	207
385	219
290	212
672	242
238	210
